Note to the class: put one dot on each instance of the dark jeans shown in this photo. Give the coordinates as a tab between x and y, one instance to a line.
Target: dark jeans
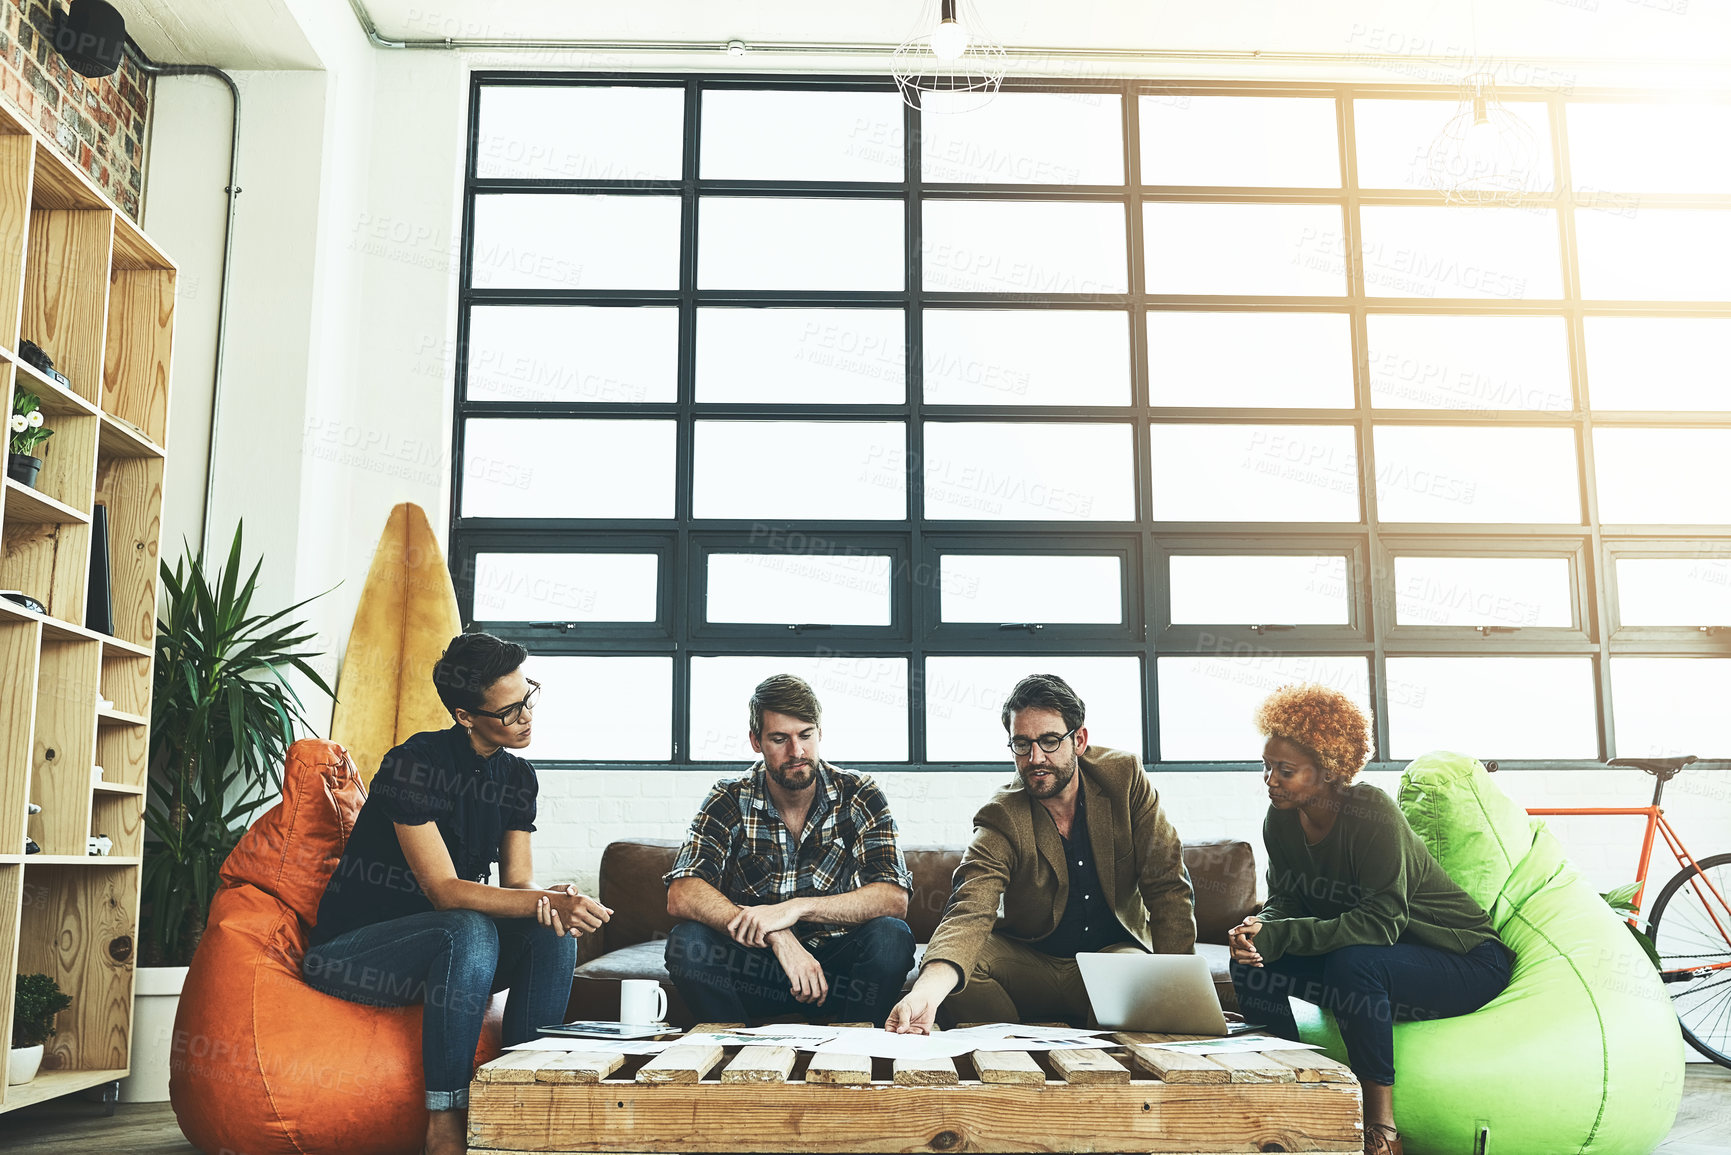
452	961
1369	989
724	982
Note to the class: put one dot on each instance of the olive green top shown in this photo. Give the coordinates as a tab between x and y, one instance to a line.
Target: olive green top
1369	882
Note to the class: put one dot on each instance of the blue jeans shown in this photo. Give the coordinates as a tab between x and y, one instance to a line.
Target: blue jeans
452	962
724	982
1369	989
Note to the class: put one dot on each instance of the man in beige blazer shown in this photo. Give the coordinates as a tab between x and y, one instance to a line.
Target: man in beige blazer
1076	857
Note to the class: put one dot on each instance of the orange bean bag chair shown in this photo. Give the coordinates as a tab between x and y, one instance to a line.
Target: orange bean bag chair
261	1062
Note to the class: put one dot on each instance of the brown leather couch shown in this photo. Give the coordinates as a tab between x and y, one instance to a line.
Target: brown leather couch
631	945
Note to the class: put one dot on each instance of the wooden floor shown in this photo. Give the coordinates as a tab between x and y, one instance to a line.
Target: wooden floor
71	1124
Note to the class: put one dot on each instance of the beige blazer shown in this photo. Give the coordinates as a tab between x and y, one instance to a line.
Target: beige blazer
1017	856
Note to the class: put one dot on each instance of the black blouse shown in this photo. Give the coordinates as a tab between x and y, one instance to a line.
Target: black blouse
437	777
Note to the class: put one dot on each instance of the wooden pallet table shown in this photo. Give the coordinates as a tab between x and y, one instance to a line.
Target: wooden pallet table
1128	1096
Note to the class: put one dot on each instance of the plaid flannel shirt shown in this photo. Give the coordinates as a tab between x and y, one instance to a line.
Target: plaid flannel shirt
738	844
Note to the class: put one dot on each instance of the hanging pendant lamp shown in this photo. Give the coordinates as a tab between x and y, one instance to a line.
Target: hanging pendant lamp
1486	153
950	64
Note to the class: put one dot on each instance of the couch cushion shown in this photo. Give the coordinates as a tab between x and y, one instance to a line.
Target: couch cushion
1223	875
292	850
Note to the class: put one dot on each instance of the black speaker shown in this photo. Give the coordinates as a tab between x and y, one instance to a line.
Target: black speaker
91	35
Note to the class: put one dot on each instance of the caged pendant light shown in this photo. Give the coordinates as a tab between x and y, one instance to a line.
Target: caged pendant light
1486	153
950	58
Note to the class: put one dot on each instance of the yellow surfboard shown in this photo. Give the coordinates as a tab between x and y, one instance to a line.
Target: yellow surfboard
406	617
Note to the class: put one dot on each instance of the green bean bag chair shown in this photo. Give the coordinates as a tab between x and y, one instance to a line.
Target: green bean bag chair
1582	1052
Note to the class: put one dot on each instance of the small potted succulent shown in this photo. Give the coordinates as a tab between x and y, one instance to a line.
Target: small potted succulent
28	433
39	1000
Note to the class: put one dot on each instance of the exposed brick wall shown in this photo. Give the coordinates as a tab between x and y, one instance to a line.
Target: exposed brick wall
98	124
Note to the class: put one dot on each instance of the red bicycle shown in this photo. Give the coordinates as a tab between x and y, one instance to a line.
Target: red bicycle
1691	921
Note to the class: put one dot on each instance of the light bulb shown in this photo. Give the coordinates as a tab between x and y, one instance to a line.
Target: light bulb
949	40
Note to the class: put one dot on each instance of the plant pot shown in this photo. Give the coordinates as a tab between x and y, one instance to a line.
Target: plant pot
23	468
156	1000
22	1065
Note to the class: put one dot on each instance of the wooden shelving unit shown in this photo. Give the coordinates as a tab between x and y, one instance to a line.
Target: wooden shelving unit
81	281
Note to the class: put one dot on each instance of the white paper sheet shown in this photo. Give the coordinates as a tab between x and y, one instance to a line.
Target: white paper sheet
1240	1044
888	1045
595	1046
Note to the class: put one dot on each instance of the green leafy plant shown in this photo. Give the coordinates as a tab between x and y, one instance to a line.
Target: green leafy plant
27	428
1622	900
39	999
222	718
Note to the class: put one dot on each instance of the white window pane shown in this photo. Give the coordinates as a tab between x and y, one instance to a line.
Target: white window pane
1027	357
548	241
1670	476
1255	473
1029	471
1492	707
1674	591
1024	247
964	697
796	589
1426	361
864	700
1641	148
802	356
801	469
1658	362
573	354
1064	138
1504	254
775	134
1397	138
1237	140
568	468
1044	589
1208	703
1458	473
799	243
577	691
565	587
555	132
1654	254
1258	360
1265	590
1266	250
1668	707
1523	592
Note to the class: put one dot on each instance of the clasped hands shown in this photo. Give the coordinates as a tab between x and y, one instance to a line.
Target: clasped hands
570	913
1241	939
770	926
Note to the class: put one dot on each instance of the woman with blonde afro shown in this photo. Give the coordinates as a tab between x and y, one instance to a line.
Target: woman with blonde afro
1360	919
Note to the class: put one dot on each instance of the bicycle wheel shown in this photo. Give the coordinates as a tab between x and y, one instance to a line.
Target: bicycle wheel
1690	933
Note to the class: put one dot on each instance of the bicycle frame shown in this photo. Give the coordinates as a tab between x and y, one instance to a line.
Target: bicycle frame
1655	816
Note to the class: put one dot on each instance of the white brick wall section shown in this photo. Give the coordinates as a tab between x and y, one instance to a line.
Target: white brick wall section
582	811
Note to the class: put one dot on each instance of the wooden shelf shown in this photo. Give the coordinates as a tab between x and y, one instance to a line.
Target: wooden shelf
116	788
60	186
67	632
24	504
134	250
72	859
53	1084
57	399
118	439
120	718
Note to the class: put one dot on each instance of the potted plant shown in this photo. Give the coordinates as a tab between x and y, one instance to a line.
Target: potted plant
28	432
222	718
39	999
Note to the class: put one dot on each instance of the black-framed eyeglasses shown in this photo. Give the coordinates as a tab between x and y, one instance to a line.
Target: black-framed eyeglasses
1048	742
513	713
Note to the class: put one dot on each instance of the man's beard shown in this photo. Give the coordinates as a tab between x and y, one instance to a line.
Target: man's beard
800	777
1061	775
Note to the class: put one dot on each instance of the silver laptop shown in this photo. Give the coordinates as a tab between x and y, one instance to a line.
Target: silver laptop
1169	993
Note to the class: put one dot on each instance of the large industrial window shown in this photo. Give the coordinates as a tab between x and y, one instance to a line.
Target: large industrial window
1180	392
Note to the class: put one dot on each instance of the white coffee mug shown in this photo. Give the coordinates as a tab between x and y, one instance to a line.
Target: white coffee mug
641	1001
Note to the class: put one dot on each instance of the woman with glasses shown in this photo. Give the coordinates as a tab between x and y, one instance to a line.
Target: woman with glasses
1360	919
409	916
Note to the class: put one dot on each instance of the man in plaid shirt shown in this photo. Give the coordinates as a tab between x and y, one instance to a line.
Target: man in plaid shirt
790	884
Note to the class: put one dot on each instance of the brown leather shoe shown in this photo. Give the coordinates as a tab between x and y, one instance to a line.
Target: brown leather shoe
1380	1140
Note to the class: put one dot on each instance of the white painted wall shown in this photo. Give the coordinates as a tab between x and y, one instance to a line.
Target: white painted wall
338	406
